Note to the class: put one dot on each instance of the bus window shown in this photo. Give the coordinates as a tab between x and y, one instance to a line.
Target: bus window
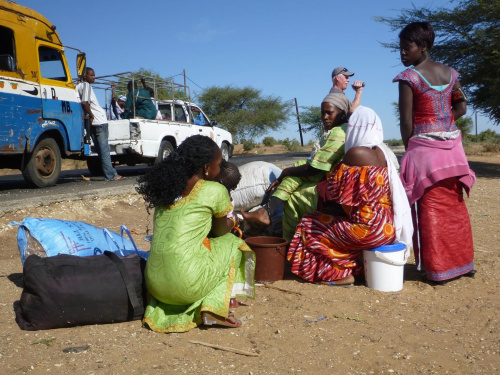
7	49
51	64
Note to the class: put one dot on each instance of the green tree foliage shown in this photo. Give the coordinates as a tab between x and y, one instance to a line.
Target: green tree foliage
464	124
467	39
244	112
291	145
269	141
488	135
164	87
248	144
395	107
310	118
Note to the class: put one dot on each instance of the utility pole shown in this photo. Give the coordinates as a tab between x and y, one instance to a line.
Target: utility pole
185	88
475	113
298	120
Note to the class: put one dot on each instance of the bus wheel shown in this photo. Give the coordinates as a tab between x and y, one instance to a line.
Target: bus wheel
44	164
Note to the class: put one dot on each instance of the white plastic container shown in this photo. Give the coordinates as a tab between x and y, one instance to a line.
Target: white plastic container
384	267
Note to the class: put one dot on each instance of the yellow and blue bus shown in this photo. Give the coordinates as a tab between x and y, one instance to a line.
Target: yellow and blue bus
41	119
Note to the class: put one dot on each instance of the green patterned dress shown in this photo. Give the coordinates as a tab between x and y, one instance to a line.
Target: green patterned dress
187	272
299	193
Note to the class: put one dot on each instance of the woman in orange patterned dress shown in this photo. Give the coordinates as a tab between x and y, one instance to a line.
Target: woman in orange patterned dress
364	206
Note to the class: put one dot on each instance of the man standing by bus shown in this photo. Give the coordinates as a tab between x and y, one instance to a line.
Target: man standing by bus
98	124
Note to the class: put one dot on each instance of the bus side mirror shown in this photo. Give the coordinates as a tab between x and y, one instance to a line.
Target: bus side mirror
81	63
7	63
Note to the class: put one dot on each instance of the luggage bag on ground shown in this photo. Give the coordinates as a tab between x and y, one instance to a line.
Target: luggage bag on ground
67	290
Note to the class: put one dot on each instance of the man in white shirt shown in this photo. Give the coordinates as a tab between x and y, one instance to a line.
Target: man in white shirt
340	79
98	124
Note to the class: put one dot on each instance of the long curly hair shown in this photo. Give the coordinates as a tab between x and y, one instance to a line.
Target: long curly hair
165	181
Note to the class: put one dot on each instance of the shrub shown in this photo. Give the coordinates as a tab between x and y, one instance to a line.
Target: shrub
269	141
488	135
491	146
293	145
394	142
248	144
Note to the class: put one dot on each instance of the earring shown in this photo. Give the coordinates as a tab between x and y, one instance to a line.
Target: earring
206	173
424	49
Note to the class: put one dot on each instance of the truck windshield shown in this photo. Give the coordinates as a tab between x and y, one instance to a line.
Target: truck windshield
51	64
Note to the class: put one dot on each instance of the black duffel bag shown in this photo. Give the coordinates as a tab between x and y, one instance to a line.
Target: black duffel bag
67	290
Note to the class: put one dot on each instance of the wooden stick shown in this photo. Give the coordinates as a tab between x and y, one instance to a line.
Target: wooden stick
237	351
280	289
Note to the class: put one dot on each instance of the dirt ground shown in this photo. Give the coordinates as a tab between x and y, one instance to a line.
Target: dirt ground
423	329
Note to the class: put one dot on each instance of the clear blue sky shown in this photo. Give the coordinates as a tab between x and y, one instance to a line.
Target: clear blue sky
284	48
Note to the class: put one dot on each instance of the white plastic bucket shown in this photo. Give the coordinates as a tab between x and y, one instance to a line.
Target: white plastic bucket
384	267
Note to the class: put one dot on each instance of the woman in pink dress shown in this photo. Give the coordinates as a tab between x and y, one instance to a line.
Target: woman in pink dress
435	170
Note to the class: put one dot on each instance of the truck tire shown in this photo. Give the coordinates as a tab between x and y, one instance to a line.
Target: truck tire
225	151
44	164
165	149
95	167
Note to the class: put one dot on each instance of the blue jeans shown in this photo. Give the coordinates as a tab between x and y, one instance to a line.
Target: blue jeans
99	134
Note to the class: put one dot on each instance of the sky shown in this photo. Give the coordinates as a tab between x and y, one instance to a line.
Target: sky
283	48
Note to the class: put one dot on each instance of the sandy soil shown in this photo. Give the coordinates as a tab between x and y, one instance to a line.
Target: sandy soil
451	329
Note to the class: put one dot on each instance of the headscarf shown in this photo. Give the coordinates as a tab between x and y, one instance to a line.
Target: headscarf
341	102
365	129
338	100
122	98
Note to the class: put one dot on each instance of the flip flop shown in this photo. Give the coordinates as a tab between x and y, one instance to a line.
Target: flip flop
210	320
233	303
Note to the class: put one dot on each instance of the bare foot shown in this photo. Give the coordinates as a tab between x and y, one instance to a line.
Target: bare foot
348	280
259	216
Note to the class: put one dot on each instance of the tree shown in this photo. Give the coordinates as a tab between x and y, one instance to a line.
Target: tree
464	124
395	107
163	86
244	112
467	39
310	119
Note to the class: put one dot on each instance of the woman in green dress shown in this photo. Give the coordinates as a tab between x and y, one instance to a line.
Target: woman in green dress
296	187
191	277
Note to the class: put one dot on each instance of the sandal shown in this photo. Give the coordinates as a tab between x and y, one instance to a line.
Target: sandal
233	303
210	319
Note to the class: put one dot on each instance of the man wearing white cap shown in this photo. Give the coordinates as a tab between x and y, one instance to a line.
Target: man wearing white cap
340	79
116	107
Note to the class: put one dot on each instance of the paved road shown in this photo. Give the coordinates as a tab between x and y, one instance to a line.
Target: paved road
15	194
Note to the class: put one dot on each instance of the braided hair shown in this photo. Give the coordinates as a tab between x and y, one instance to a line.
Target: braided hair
167	180
229	175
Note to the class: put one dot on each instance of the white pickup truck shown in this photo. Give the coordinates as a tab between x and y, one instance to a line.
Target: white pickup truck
138	141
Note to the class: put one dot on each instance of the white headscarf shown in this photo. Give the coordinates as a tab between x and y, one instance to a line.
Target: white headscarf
365	129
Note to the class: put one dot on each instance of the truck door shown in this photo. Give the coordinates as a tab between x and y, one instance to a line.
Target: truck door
201	125
20	103
185	128
60	103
